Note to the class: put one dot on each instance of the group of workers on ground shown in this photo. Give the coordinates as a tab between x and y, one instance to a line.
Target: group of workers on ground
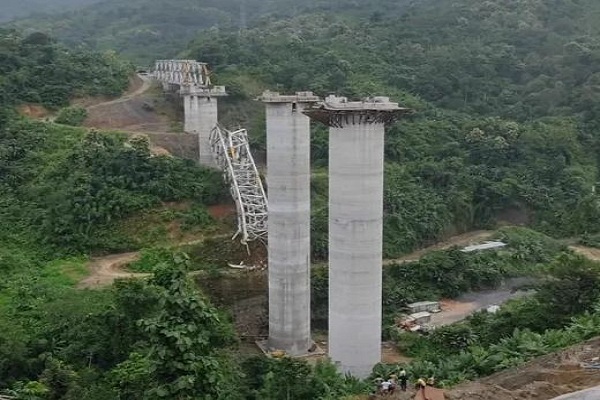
388	387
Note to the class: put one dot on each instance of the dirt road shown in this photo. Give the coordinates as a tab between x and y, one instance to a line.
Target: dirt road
460	308
458	240
138	91
132	112
104	270
588	252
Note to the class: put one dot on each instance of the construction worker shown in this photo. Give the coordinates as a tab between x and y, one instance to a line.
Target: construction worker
393	383
385	387
421	388
403	379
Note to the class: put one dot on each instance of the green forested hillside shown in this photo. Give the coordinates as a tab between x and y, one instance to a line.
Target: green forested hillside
35	69
505	95
20	8
458	63
145	30
506	129
518	59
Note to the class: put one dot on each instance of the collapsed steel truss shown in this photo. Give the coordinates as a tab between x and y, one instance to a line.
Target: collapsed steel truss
232	154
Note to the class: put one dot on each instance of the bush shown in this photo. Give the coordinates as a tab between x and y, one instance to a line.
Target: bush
196	217
73	116
151	258
590	240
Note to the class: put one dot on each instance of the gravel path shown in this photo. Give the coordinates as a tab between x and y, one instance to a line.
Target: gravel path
459	309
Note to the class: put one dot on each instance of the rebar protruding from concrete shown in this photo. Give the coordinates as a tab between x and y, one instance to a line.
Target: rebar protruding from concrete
356	138
288	183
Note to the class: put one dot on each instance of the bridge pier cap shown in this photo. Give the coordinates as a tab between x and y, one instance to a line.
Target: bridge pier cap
202	91
337	111
299	97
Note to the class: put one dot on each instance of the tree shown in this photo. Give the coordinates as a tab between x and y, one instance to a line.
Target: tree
188	340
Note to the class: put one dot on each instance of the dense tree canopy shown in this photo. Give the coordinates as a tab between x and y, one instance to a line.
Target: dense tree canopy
35	69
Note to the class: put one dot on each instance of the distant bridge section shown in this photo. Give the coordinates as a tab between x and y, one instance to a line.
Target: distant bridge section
191	80
182	72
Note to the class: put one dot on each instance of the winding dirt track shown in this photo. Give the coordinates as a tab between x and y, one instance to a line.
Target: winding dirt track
104	270
146	85
458	240
588	252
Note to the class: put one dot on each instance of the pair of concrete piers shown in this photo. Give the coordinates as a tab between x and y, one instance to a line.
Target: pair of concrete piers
356	145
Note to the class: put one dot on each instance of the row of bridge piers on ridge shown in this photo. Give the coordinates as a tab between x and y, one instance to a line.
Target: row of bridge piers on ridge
356	154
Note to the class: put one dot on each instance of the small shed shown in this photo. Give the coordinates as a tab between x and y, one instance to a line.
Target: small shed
429	306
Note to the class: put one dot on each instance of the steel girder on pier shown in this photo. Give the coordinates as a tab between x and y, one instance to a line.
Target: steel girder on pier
182	72
232	155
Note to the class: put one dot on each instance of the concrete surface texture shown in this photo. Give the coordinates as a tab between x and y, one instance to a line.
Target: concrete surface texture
589	394
355	246
356	140
200	113
199	99
288	179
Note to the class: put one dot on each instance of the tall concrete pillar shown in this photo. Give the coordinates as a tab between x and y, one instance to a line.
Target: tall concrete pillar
356	138
200	116
288	181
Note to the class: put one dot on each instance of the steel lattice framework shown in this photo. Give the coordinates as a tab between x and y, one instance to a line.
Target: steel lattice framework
182	72
232	154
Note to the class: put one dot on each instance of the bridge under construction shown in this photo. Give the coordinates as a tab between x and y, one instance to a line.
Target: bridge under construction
356	140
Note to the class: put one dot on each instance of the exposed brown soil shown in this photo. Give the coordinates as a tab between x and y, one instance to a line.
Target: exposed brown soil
391	355
222	211
133	112
541	379
104	270
136	83
34	111
588	252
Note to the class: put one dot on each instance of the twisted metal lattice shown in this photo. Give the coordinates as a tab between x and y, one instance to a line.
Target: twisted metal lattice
232	154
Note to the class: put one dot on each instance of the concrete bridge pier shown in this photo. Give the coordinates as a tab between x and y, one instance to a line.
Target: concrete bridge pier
288	177
200	116
356	139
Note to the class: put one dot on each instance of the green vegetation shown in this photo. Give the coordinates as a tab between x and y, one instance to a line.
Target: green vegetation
35	69
68	188
141	29
505	122
19	8
590	240
506	130
563	311
456	164
143	340
73	116
150	259
450	273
